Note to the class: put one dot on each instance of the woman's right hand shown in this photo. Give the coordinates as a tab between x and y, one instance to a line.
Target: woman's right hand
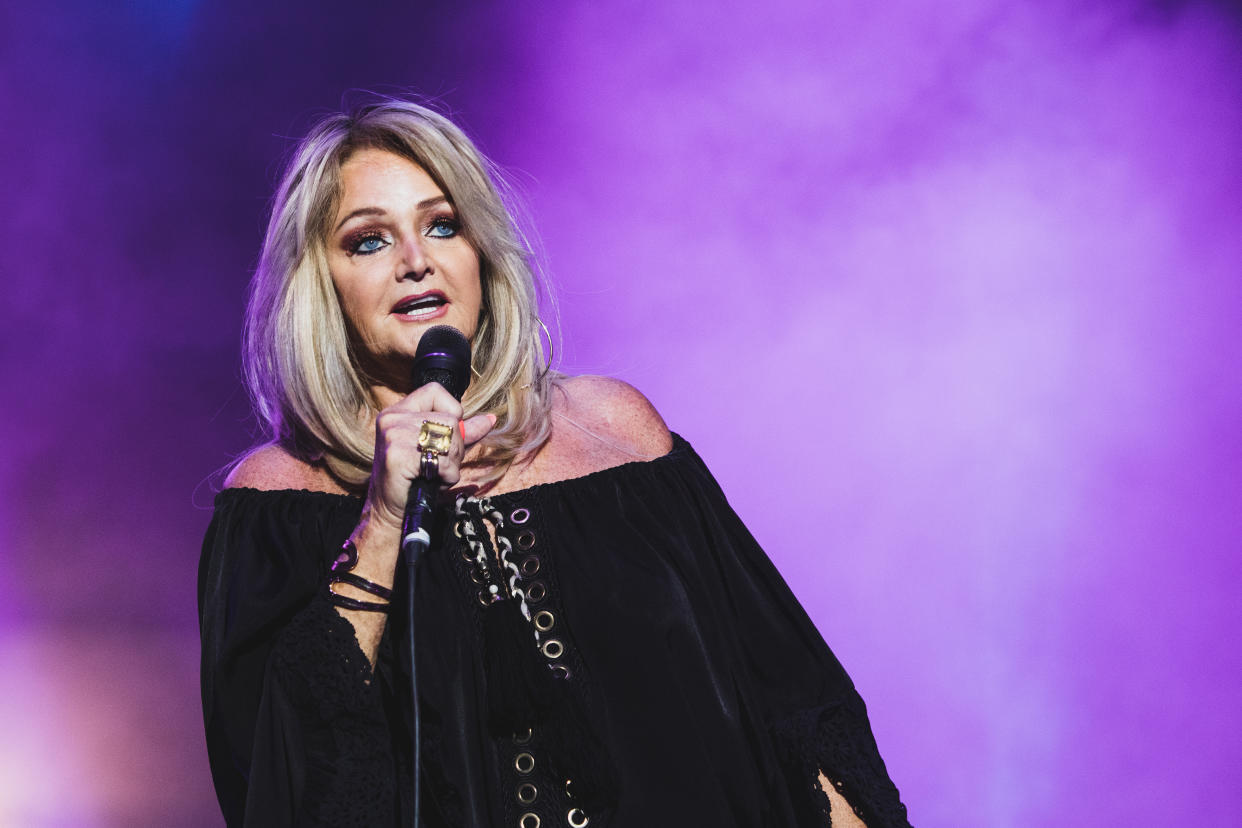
397	458
396	464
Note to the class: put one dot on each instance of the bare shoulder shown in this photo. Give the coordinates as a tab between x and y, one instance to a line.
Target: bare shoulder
271	467
615	413
597	423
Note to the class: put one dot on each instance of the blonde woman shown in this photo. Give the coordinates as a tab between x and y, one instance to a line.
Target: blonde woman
600	641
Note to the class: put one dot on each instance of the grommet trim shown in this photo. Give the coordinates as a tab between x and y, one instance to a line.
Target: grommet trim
492	545
524	763
503	562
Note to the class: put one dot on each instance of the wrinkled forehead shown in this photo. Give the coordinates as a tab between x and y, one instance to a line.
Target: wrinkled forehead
333	194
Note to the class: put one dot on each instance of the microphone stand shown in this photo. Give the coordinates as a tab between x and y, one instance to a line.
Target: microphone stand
415	539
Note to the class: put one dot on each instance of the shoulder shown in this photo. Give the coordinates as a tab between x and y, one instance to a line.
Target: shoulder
614	412
273	467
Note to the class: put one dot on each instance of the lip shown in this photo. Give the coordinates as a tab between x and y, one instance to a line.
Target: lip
422	317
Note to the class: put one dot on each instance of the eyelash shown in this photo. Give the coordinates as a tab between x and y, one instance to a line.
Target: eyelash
354	242
357	240
449	222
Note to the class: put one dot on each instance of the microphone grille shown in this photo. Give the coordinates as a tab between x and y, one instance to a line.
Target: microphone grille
443	356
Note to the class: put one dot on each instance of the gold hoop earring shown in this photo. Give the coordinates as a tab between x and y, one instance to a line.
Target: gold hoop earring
551	347
551	351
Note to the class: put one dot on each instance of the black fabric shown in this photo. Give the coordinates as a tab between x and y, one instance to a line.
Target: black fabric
687	657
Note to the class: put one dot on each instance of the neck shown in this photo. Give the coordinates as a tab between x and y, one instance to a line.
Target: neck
385	396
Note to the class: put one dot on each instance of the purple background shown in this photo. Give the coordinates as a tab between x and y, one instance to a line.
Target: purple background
947	294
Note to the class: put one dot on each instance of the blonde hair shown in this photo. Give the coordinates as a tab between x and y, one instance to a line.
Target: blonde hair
301	369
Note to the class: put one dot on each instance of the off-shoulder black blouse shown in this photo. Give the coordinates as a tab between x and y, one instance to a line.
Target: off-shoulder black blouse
689	659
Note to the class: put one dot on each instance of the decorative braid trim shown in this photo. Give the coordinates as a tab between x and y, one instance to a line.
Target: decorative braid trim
472	513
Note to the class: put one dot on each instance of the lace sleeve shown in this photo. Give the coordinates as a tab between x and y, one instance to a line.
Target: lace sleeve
836	739
326	678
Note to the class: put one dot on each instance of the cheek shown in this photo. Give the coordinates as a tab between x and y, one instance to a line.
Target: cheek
475	269
352	296
477	296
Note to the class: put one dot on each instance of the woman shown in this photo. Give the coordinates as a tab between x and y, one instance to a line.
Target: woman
600	641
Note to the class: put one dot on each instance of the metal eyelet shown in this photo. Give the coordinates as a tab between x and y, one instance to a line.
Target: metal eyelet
522	737
524	763
526	540
527	793
485	596
530	566
519	516
560	671
478	576
544	620
529	820
568	792
467	555
536	592
552	648
577	818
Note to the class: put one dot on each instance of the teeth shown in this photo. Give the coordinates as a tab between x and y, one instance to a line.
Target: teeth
423	305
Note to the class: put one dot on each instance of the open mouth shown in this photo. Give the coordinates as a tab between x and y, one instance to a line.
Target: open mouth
423	305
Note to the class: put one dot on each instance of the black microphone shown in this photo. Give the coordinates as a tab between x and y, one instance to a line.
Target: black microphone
443	356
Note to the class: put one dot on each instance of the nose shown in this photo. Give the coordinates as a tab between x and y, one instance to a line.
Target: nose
415	264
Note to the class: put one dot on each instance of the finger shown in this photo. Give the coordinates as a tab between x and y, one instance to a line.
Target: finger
431	397
449	473
475	429
398	439
456	450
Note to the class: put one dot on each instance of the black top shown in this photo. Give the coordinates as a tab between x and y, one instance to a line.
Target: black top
681	648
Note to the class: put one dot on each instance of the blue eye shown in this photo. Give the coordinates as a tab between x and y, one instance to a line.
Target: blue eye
443	228
367	244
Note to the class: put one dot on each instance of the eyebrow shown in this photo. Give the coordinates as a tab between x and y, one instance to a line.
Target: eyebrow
426	203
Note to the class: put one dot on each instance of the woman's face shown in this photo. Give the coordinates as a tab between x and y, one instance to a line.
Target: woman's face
399	261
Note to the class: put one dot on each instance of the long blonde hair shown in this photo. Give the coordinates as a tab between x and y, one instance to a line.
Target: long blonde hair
300	366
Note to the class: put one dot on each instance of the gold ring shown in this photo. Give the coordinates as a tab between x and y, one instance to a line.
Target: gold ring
429	466
434	437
